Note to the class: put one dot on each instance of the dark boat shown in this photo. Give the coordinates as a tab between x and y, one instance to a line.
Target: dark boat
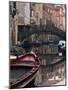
23	70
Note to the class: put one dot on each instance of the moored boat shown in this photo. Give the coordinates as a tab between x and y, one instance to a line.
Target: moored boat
23	70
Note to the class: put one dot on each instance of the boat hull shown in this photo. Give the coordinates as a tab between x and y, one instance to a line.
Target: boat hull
26	79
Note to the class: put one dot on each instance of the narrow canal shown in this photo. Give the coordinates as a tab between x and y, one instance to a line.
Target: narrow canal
49	75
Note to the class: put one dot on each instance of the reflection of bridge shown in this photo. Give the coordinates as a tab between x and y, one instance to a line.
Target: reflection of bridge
43	29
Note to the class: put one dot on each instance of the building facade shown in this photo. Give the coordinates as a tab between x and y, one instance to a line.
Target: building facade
40	13
25	15
21	18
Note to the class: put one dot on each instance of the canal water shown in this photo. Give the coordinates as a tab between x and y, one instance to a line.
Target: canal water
51	74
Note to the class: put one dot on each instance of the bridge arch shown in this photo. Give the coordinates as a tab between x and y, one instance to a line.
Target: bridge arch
37	29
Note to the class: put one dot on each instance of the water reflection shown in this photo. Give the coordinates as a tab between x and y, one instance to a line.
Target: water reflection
50	75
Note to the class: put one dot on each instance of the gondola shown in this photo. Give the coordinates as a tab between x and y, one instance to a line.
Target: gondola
23	70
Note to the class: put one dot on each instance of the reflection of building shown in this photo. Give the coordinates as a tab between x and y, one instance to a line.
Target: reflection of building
56	72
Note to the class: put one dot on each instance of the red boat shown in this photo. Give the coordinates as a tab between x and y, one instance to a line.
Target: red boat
23	70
